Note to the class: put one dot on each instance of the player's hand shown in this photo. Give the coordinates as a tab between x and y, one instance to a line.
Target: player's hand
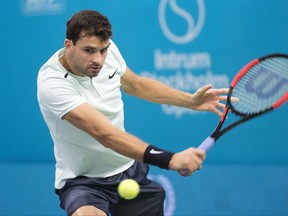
187	161
208	99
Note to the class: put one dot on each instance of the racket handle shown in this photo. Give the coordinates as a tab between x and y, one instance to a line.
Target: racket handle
207	144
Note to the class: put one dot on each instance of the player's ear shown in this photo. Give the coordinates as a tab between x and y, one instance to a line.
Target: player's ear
68	45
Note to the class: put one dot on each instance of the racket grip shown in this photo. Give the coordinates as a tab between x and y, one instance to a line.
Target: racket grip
207	144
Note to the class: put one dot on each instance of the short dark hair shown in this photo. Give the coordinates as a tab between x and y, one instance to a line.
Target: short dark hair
89	23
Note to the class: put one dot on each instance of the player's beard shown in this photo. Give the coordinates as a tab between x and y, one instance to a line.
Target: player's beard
91	70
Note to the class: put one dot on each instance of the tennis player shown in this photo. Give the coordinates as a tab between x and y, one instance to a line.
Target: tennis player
80	99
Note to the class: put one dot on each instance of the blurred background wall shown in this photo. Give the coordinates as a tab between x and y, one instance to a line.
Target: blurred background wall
183	43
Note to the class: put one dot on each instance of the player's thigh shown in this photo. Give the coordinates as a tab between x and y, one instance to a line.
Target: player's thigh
89	210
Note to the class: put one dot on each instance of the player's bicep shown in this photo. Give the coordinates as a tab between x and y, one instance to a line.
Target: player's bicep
129	81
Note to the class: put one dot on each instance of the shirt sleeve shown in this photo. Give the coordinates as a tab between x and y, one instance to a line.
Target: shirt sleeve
117	55
58	95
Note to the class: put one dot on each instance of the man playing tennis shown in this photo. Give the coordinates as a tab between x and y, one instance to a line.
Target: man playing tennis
80	99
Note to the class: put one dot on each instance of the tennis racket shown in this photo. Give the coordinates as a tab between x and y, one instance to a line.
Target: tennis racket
261	86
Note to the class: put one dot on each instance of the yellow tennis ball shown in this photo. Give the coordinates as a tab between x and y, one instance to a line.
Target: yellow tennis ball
128	189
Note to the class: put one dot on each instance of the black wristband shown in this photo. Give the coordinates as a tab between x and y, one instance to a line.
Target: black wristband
157	157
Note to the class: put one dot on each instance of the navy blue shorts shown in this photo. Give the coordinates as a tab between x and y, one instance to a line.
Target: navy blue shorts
102	193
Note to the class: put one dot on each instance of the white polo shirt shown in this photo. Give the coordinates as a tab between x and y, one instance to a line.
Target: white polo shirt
76	152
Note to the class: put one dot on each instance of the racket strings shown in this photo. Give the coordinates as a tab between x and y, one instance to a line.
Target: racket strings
263	85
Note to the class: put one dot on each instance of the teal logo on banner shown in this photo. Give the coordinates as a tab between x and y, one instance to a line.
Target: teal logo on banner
181	23
42	7
194	25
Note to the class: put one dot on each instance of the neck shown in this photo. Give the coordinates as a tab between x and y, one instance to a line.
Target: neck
64	63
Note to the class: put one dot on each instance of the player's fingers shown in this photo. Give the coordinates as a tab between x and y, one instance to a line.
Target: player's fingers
221	106
222	98
198	164
197	157
222	90
204	89
216	111
234	99
200	152
201	157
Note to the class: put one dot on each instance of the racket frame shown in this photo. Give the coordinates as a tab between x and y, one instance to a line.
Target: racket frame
210	140
244	117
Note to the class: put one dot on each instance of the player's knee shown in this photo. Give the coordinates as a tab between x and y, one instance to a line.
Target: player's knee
89	210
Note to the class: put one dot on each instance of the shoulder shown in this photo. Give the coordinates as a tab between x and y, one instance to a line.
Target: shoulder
52	67
113	47
114	51
115	56
52	75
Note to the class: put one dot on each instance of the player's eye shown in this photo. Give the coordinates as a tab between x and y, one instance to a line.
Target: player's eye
104	50
89	50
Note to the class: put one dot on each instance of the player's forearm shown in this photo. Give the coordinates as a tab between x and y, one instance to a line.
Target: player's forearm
157	92
123	143
88	119
131	146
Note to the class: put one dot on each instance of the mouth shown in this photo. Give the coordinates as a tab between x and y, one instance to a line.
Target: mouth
95	69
